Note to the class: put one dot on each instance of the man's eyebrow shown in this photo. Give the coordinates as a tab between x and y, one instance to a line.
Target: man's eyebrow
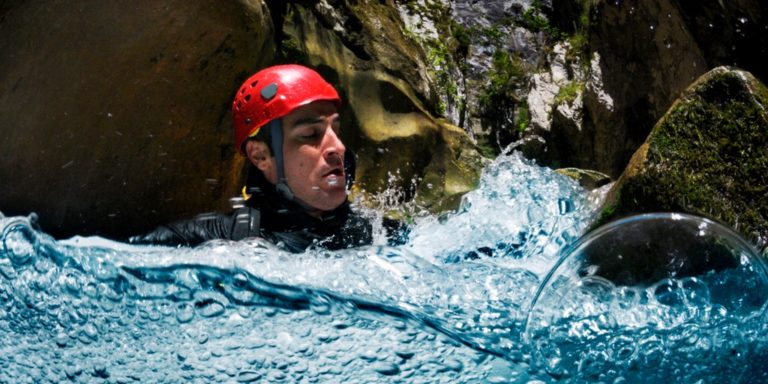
309	120
314	120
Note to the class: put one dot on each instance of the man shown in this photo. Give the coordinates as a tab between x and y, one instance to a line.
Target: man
286	123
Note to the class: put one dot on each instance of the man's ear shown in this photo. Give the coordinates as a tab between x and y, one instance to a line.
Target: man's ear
258	154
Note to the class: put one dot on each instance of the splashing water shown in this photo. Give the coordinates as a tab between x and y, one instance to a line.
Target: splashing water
481	295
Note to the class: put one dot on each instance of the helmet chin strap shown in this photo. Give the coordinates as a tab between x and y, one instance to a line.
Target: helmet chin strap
276	133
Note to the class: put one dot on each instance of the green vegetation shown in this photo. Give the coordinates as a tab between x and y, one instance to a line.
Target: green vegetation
569	92
707	156
533	20
579	41
507	73
445	57
523	117
291	51
440	70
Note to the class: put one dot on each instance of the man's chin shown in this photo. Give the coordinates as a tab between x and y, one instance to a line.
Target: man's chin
329	200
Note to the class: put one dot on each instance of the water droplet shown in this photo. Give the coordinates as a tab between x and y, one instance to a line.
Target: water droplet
453	365
327	337
185	313
209	308
368	355
320	305
19	243
62	339
743	20
385	368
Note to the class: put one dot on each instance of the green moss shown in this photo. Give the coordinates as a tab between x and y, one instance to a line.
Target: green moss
440	60
533	20
486	149
461	34
505	76
569	92
708	156
291	51
500	106
522	117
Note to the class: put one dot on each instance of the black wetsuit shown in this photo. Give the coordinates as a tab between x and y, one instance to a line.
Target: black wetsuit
268	215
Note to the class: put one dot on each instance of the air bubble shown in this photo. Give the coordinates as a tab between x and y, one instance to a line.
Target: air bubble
185	313
19	244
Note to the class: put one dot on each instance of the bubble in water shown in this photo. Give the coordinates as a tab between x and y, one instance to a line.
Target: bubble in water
185	313
386	368
690	267
19	243
248	376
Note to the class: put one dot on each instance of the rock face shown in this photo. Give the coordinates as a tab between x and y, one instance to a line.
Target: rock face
115	114
708	156
642	55
387	102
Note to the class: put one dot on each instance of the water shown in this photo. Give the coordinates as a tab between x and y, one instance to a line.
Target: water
482	295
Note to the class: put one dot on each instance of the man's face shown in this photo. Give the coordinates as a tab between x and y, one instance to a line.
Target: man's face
314	155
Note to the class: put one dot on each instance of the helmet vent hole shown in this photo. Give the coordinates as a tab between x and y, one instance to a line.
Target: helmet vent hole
247	97
253	84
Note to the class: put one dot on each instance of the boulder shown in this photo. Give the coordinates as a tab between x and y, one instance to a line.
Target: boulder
386	118
642	55
707	156
115	114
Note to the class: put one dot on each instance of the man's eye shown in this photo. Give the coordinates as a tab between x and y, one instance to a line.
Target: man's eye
309	134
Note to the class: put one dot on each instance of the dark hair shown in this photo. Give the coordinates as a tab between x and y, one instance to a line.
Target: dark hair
264	136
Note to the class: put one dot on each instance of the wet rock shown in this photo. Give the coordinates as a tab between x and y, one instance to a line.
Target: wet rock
587	178
635	76
647	53
708	156
114	114
388	105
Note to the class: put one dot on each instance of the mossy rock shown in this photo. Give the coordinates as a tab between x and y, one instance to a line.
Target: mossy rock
707	156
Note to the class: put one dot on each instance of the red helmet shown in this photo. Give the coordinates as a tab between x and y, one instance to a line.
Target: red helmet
274	92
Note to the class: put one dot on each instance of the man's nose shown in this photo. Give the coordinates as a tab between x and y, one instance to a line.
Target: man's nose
333	148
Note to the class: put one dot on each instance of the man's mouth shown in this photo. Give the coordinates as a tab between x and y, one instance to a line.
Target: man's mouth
334	177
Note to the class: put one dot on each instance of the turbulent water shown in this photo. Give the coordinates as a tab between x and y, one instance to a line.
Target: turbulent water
481	295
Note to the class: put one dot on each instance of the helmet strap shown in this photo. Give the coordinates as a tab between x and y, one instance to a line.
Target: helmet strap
276	133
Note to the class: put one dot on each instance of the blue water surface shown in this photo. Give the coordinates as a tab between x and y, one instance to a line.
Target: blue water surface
485	294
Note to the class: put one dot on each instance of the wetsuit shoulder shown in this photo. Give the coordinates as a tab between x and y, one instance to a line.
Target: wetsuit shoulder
239	224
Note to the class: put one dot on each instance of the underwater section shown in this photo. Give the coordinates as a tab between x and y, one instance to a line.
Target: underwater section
500	291
651	298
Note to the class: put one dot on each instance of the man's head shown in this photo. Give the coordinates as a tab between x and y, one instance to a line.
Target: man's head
303	156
